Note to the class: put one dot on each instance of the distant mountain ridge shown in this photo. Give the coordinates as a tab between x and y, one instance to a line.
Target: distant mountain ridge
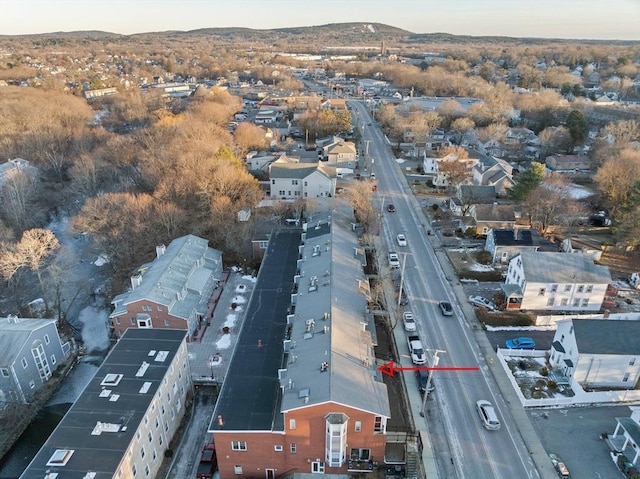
352	33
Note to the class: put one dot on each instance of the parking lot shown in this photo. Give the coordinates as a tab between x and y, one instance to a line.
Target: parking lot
574	433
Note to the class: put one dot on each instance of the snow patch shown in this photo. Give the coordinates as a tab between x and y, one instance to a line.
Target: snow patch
248	277
230	321
239	300
224	342
102	260
400	160
480	267
521	328
74	384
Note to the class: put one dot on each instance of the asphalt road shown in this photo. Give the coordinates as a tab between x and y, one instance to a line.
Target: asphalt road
472	451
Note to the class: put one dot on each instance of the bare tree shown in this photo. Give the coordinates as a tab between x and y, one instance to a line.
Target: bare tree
461	128
359	196
32	252
617	177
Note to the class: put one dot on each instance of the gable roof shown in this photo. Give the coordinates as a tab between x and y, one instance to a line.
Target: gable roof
493	213
569	268
187	266
607	336
14	334
508	237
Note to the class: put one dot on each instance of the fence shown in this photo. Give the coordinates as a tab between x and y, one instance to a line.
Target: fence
581	397
552	319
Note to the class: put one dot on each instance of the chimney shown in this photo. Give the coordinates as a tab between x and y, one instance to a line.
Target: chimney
160	250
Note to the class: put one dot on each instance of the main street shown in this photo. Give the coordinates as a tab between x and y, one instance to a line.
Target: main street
471	451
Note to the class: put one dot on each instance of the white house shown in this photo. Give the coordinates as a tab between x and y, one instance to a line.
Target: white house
431	166
628	432
301	180
598	352
548	281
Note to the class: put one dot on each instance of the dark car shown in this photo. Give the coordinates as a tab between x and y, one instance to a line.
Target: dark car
391	209
446	308
422	377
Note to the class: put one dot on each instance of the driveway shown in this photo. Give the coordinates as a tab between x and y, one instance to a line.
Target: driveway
574	433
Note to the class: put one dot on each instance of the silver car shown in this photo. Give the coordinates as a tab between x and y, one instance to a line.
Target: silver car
488	415
482	301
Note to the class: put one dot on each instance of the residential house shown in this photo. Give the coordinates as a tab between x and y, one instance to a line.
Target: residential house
494	172
432	167
506	243
568	164
627	434
340	155
293	181
598	353
547	281
173	291
267	116
491	217
12	167
30	351
315	404
125	419
468	195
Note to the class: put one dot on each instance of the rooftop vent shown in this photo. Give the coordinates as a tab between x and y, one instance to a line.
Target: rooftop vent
60	457
143	369
145	387
105	427
111	380
161	356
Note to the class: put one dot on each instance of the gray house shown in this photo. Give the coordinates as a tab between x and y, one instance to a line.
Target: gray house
30	350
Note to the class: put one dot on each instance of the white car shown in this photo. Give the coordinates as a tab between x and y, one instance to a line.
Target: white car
394	260
488	415
402	240
409	321
482	301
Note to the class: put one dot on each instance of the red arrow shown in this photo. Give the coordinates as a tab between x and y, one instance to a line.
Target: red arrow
390	369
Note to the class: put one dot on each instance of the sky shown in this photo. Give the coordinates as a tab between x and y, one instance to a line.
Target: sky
577	19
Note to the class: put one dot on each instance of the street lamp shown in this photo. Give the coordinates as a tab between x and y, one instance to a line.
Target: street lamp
436	360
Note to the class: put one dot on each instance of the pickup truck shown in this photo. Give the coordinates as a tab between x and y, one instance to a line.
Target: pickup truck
418	355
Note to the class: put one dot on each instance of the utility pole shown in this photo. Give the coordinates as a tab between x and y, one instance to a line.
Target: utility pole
436	360
404	263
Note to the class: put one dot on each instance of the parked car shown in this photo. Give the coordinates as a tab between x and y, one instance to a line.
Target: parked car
560	466
446	308
409	321
391	208
394	260
520	343
488	415
482	301
402	240
422	377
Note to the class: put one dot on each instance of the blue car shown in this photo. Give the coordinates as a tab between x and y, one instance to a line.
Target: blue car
520	343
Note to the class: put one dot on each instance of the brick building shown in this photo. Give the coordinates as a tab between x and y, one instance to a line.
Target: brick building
302	393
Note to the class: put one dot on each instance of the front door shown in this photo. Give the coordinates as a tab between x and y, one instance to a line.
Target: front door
270	473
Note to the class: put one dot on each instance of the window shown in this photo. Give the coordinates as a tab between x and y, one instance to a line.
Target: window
294	182
4	372
292	447
277	448
541	291
564	301
157	423
625	378
281	192
150	436
336	438
576	302
166	323
571	330
142	453
358	426
144	323
32	384
317	467
632	361
117	320
53	359
134	470
292	423
273	182
24	363
237	469
133	321
567	288
379	424
306	183
46	339
585	302
238	445
146	470
160	439
589	288
360	454
580	288
550	301
159	308
154	455
554	288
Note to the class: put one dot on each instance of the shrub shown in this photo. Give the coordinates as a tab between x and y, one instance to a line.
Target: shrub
168	453
484	257
552	384
435	207
544	371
